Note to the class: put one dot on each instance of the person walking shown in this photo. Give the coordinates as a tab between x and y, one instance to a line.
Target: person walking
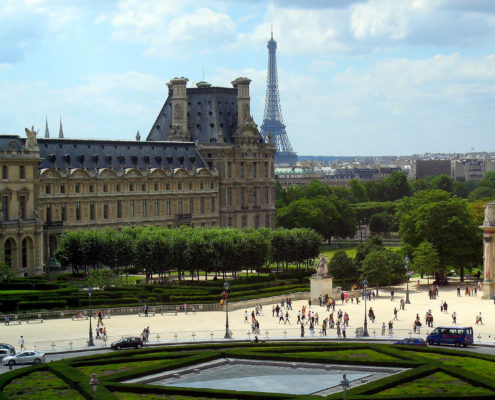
343	331
392	293
390	328
7	320
338	329
146	310
458	291
454	318
286	317
383	329
298	317
395	314
302	330
21	342
324	327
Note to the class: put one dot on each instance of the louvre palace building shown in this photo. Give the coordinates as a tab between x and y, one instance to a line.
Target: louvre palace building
204	163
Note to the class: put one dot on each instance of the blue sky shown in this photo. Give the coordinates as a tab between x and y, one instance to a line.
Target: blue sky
362	77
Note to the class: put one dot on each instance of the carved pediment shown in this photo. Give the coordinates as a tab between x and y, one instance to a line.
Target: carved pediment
106	173
78	173
49	173
132	172
203	172
157	172
180	172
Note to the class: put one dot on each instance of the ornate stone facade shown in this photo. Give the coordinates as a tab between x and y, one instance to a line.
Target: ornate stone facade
50	186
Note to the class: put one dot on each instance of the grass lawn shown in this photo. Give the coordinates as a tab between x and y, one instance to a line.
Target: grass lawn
469	364
440	383
358	354
41	384
107	369
350	251
18	291
152	396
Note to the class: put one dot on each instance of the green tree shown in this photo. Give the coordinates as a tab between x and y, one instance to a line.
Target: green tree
488	180
425	259
382	267
5	271
381	223
482	193
358	191
343	268
444	221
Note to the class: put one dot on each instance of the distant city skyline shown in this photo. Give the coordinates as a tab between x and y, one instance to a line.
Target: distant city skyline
356	77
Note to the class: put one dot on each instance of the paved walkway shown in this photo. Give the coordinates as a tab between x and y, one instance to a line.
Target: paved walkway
62	331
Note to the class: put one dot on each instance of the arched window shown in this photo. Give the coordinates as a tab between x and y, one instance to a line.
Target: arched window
24	254
8	252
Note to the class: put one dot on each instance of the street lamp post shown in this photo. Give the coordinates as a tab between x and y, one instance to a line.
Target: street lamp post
361	230
227	330
345	384
91	343
408	276
365	330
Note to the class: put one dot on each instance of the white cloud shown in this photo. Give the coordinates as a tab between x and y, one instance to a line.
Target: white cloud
168	29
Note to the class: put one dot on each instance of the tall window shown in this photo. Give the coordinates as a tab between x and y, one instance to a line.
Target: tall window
191	205
255	196
132	209
22	207
267	199
256	222
255	170
24	253
244	221
64	212
229	221
202	205
22	174
105	187
229	196
48	189
157	208
212	205
267	221
242	170
119	209
131	187
5	208
62	188
78	211
266	170
145	208
242	196
48	213
105	211
92	210
155	186
117	187
143	187
78	187
169	211
5	172
229	170
90	188
180	206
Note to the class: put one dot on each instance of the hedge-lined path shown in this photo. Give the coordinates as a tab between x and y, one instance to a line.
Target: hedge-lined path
61	331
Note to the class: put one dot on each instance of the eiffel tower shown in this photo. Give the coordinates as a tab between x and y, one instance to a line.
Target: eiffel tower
272	119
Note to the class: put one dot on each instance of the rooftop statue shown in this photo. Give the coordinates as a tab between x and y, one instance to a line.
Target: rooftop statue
31	142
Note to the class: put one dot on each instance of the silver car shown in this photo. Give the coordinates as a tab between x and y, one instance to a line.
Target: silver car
24	357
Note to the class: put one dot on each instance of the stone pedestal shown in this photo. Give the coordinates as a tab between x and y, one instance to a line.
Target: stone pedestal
320	286
489	251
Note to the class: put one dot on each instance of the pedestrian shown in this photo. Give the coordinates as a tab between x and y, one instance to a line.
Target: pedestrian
480	319
286	317
324	327
383	329
309	303
417	286
342	297
185	309
311	329
246	317
147	333
273	311
21	342
281	317
298	317
390	328
445	307
193	310
7	320
392	293
338	329
105	333
260	310
320	299
346	319
146	310
458	291
454	318
343	331
317	317
395	314
302	330
331	321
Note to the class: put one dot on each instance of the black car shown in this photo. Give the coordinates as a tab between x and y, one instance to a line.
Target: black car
127	342
8	347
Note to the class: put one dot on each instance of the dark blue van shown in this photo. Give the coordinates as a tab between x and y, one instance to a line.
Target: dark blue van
456	335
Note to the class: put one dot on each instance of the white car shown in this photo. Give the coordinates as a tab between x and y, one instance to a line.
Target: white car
24	357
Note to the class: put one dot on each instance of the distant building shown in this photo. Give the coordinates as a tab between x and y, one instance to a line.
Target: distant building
471	169
426	168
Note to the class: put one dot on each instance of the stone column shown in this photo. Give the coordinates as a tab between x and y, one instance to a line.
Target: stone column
179	130
489	251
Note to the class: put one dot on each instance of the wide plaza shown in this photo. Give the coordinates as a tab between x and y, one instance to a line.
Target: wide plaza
210	325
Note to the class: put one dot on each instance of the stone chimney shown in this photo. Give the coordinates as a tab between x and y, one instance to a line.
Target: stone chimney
179	132
243	99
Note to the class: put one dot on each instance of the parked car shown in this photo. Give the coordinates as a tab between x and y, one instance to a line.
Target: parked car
24	357
4	353
456	335
8	347
127	342
411	342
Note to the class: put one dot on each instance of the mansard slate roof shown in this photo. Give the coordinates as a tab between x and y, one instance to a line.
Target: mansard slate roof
209	110
11	142
92	154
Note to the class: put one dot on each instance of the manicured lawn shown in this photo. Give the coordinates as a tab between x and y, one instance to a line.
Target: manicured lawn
107	369
351	251
152	396
18	291
37	385
437	383
360	354
469	364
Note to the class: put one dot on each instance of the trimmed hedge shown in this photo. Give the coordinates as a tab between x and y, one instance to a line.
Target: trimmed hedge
42	304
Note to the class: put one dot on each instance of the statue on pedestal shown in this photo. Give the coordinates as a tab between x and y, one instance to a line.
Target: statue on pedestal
322	267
